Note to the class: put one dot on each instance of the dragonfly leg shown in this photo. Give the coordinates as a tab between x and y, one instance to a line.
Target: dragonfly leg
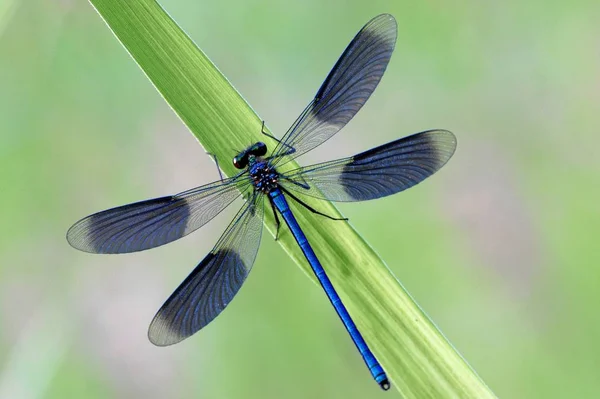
277	224
310	208
290	149
304	186
214	157
262	130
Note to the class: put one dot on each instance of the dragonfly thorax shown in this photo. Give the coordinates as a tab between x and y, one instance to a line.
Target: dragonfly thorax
263	176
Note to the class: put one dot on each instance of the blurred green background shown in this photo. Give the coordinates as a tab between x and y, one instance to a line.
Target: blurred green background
499	248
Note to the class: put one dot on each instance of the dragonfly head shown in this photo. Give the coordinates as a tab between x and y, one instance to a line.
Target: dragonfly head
240	161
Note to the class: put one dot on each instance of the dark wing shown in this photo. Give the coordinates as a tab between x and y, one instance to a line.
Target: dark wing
345	90
155	222
376	173
214	282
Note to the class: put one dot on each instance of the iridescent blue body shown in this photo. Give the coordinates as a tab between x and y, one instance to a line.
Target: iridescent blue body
262	175
264	178
376	173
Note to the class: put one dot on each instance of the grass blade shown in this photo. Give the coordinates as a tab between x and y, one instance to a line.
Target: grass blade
419	360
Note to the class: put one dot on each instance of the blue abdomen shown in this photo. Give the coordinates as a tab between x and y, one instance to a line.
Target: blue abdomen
374	367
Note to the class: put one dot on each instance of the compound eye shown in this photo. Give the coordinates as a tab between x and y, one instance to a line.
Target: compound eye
240	162
259	149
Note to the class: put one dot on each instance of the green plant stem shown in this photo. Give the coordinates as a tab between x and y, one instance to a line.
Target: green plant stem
419	360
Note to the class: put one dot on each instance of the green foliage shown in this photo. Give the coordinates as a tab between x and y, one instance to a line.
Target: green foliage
419	360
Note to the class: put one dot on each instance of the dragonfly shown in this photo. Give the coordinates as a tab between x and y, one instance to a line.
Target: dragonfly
378	172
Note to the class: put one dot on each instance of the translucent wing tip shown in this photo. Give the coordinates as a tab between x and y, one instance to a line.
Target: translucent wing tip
384	18
79	238
443	143
381	31
385	26
162	333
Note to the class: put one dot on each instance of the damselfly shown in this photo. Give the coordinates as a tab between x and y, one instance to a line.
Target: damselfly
375	173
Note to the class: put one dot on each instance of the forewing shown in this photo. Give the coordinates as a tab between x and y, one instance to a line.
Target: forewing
148	224
376	173
214	282
345	90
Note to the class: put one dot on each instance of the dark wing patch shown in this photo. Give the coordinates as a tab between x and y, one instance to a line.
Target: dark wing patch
214	282
376	173
151	223
345	90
